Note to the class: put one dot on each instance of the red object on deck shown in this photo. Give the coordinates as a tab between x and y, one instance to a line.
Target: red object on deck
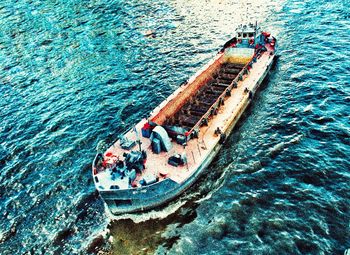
266	34
146	126
146	130
109	154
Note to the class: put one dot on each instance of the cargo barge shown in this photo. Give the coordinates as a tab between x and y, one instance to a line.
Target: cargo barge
163	155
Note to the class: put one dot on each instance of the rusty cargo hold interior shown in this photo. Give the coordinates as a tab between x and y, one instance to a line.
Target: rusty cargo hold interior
201	97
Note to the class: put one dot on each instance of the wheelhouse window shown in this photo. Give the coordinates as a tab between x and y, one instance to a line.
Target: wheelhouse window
244	35
251	35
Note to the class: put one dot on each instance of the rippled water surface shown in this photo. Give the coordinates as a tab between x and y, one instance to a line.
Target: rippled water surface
74	73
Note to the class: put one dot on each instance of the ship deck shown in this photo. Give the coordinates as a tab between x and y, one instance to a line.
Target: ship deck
196	149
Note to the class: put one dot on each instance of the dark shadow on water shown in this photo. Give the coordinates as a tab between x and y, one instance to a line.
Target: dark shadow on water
145	237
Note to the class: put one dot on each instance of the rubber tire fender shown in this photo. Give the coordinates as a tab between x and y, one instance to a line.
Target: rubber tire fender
222	138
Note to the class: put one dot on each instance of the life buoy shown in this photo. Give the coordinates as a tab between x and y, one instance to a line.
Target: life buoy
251	41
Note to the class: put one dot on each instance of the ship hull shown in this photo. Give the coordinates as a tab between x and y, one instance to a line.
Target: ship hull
155	195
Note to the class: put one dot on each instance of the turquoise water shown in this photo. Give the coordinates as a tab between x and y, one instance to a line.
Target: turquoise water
74	73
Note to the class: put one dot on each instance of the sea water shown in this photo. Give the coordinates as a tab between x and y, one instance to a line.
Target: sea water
75	74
